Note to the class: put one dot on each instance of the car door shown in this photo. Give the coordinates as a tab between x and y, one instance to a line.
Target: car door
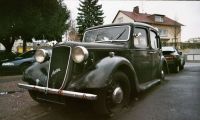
142	60
155	53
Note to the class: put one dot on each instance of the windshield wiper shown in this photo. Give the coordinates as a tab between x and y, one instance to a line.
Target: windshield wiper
104	41
120	34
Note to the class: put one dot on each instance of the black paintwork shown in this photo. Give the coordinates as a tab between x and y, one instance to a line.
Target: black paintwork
141	65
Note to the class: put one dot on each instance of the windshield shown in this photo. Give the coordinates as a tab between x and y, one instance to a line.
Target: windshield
168	49
113	33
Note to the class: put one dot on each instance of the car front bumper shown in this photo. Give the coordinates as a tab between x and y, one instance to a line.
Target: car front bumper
73	94
171	63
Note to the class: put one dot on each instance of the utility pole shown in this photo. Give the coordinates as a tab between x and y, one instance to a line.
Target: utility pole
176	31
175	36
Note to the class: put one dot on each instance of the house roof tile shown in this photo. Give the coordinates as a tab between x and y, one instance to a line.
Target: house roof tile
149	19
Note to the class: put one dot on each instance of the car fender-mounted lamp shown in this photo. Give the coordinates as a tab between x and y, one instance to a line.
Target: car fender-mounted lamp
79	54
111	54
41	55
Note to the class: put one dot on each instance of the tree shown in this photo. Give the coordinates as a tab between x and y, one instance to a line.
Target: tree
90	14
177	31
41	19
72	33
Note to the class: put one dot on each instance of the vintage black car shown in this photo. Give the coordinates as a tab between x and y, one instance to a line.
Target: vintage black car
110	66
175	59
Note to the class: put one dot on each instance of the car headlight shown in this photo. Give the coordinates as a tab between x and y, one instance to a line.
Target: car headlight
8	64
79	54
41	55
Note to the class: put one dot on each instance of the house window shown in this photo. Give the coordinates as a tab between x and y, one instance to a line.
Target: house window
159	19
120	20
163	32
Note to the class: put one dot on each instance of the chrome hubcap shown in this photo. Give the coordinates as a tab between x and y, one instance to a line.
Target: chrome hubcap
162	74
117	95
177	68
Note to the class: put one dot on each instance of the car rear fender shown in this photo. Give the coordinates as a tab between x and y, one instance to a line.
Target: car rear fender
164	64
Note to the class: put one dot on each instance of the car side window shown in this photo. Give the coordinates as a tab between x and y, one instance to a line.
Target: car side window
140	38
154	40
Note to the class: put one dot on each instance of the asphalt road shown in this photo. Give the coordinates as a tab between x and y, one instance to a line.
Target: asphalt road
178	98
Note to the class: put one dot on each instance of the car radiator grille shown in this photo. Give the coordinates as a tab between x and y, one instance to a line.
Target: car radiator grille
59	66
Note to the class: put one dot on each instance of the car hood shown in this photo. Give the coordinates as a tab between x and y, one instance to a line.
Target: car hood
17	59
96	45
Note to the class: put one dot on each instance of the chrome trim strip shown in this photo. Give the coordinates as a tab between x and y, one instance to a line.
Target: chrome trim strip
111	27
49	71
80	95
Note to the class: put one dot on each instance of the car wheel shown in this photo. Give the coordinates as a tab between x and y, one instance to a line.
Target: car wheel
176	68
162	74
115	97
181	67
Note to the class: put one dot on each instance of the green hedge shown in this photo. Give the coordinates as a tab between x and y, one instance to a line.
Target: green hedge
184	45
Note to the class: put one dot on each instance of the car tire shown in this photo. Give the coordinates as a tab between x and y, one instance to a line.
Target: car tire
181	67
162	74
176	68
115	97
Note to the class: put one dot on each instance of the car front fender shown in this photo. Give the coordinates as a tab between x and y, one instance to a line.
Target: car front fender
100	76
37	72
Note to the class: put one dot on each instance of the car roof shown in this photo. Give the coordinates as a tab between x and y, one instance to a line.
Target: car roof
120	24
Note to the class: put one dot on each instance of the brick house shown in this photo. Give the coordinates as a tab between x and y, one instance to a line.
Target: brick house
170	30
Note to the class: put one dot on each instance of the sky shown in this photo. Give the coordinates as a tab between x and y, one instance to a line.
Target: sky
185	12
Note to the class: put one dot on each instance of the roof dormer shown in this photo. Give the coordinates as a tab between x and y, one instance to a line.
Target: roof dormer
158	18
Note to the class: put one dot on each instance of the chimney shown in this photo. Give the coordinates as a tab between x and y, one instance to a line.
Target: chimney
136	10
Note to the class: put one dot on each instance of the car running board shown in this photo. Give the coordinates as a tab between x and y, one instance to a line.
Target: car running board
147	85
